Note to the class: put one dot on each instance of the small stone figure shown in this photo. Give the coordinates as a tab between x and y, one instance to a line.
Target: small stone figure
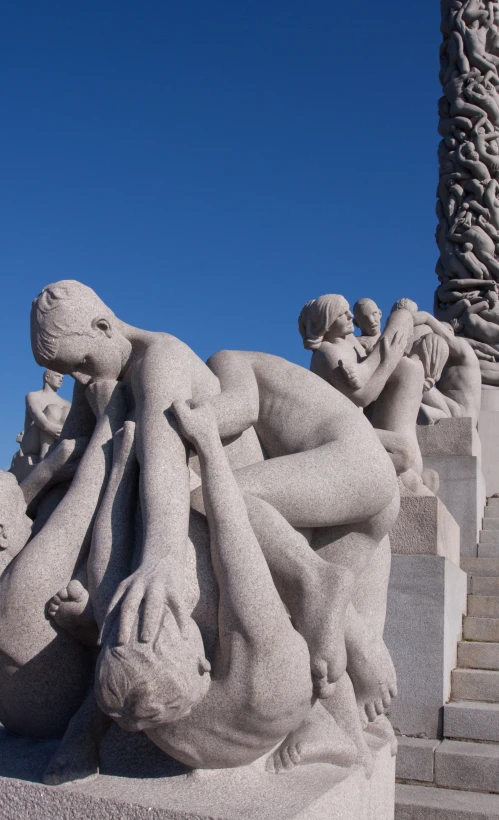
46	413
367	317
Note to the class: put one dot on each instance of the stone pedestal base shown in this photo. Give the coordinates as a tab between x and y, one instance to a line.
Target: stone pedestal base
314	792
425	527
452	448
426	604
488	430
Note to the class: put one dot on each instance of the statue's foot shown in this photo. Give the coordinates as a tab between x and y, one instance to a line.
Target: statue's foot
373	676
319	739
411	484
381	732
71	610
319	617
77	758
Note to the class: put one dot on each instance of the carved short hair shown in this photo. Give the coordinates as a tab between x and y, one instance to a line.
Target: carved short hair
131	676
65	308
317	316
405	304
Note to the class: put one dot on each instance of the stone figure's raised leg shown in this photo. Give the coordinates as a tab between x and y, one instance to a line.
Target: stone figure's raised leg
316	592
270	660
35	698
72	608
111	552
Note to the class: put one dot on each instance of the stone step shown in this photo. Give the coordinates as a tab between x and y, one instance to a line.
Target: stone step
483	606
488	550
490	523
480	566
492	504
475	684
481	629
484	586
471	720
491	512
425	803
462	765
475	655
489	537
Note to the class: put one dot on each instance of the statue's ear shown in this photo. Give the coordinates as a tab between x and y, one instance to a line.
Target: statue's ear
102	324
4	538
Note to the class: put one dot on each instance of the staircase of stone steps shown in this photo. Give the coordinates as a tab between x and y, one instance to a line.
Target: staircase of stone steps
463	769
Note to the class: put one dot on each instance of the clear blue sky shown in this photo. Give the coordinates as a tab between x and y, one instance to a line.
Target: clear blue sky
208	167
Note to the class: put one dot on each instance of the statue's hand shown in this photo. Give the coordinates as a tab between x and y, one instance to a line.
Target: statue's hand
53	429
196	424
142	598
103	396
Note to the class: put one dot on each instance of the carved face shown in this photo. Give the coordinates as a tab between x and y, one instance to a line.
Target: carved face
343	325
53	379
91	357
368	318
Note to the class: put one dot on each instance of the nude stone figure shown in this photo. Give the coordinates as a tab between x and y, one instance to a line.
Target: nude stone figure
387	379
311	479
367	317
457	393
260	689
274	402
46	413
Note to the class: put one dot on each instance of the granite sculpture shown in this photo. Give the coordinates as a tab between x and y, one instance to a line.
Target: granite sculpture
387	379
45	415
468	203
236	622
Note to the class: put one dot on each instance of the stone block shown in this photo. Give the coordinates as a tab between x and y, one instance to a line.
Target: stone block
461	765
481	629
483	606
425	527
462	490
472	720
475	684
475	655
423	803
452	448
488	424
426	603
490	523
415	759
314	792
448	437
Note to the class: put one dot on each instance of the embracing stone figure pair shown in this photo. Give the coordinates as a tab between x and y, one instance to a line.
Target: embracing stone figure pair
237	621
416	370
